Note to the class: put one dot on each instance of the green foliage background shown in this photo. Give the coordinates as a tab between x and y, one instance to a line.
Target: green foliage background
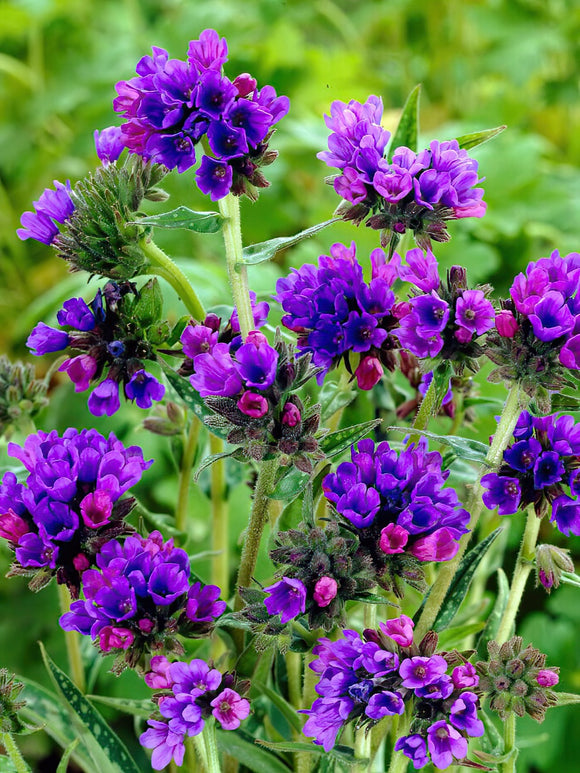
481	62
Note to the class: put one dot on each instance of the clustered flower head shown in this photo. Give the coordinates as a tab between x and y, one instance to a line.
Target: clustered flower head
53	207
411	191
250	387
10	703
551	562
515	680
188	695
171	105
140	597
22	395
338	316
538	328
114	335
440	320
363	679
70	504
396	505
322	569
539	469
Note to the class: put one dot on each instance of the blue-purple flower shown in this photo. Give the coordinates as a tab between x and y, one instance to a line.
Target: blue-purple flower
286	598
53	206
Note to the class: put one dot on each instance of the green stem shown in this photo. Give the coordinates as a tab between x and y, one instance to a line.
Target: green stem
201	751
184	484
516	399
219	521
521	573
509	736
400	762
362	749
258	519
294	673
238	274
213	760
162	265
72	641
13	751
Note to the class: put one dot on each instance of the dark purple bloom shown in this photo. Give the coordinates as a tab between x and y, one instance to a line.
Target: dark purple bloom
253	404
53	205
109	144
198	339
325	720
566	515
502	492
548	469
229	708
44	340
144	388
75	313
202	603
226	141
421	671
287	598
431	312
422	270
104	400
167	583
463	715
325	591
257	361
570	353
438	690
415	748
96	508
384	704
474	312
210	52
291	416
34	551
216	373
552	317
369	372
214	178
175	151
445	743
195	678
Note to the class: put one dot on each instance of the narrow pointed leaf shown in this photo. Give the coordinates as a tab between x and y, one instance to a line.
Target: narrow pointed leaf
209	460
246	751
287	711
190	397
107	745
258	253
342	754
407	132
63	764
468	141
143	708
336	442
183	217
463	448
451	638
494	619
566	698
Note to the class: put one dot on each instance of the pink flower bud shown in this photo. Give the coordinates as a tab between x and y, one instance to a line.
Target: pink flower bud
547	678
146	625
12	526
158	678
112	638
254	405
438	546
463	335
96	508
506	324
81	562
256	338
393	539
291	415
245	84
465	676
325	590
399	629
369	372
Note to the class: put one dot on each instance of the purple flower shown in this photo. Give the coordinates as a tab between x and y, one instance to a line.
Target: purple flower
198	339
287	598
167	583
216	373
440	545
384	704
202	603
167	745
253	404
52	205
415	748
210	52
175	151
474	312
438	690
506	324
325	591
566	515
547	678
291	416
230	709
214	178
113	637
325	720
80	370
445	743
96	508
77	314
393	539
465	676
502	492
44	340
548	469
368	373
569	355
422	270
104	400
431	312
421	671
144	388
552	317
109	144
257	361
399	629
463	715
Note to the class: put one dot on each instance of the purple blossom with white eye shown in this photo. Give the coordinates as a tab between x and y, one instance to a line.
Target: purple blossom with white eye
397	504
71	500
336	314
539	469
53	206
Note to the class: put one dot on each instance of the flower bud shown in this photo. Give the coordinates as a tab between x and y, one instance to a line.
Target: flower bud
506	324
369	372
551	561
325	590
291	416
393	539
253	404
547	677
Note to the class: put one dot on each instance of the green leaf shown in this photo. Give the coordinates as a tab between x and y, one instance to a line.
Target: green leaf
253	757
372	598
334	396
336	442
288	711
143	708
468	141
492	740
290	485
343	754
464	448
106	745
148	307
496	614
183	217
48	710
6	765
258	253
190	397
407	131
566	698
462	580
209	460
63	764
451	638
568	578
494	759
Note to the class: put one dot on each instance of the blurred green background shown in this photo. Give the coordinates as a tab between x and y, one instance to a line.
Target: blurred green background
481	63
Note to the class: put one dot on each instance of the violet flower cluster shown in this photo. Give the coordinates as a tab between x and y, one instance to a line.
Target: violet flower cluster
171	105
441	320
111	342
538	328
338	316
540	469
188	695
53	207
140	597
365	679
70	504
416	191
396	504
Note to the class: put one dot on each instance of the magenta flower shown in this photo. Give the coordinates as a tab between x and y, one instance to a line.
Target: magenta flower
230	709
325	590
399	629
421	671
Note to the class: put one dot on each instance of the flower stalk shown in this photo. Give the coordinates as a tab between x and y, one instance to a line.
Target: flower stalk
220	520
72	641
229	207
20	765
187	460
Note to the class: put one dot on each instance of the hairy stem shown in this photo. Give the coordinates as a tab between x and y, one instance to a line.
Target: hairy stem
509	736
213	760
219	521
516	399
72	641
162	265
185	471
14	754
521	573
238	275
